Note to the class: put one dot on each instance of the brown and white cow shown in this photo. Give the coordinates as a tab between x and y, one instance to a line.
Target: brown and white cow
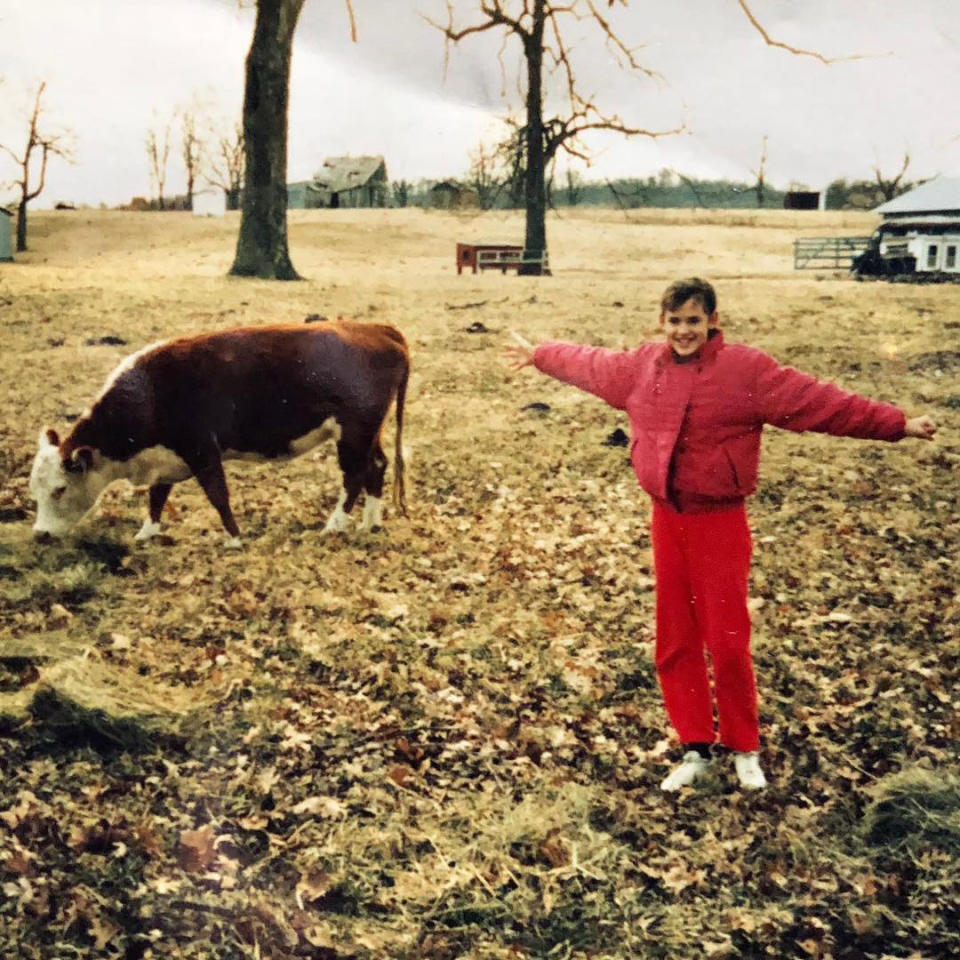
178	409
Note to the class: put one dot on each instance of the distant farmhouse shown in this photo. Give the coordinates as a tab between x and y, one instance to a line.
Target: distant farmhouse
452	195
342	182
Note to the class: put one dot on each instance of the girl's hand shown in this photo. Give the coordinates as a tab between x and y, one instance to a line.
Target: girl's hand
521	355
923	428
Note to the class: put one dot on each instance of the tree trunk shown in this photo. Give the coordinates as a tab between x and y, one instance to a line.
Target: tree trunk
262	243
22	226
535	196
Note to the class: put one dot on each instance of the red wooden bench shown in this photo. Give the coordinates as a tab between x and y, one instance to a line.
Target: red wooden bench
496	256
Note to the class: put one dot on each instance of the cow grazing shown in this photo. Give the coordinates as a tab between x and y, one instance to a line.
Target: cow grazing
178	409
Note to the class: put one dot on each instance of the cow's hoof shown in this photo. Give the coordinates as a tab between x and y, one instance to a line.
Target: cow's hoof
337	524
147	532
233	543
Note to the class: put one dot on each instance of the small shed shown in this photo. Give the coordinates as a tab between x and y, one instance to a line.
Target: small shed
6	235
801	200
352	182
209	203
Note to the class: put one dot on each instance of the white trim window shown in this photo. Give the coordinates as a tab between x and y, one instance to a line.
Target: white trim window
933	255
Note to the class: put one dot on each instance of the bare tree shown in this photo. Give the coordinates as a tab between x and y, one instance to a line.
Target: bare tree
484	178
191	150
691	185
629	195
538	25
891	187
225	164
760	185
158	155
574	187
48	144
511	153
262	249
401	192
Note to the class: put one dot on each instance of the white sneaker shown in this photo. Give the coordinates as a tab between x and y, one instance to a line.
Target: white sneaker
691	768
748	770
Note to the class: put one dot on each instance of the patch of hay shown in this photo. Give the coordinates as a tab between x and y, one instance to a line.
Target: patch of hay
81	701
116	690
913	810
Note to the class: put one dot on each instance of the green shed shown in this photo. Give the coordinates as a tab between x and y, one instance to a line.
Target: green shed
6	235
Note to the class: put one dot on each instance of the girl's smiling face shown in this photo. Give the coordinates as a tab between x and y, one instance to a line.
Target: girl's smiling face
688	326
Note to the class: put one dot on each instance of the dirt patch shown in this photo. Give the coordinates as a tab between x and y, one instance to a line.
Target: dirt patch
947	361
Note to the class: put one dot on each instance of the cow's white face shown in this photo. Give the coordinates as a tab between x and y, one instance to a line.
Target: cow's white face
64	492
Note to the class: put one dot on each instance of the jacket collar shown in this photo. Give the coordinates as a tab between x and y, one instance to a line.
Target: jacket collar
707	352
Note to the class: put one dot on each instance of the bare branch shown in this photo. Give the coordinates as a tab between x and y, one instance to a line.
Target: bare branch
692	186
353	21
618	44
748	13
889	187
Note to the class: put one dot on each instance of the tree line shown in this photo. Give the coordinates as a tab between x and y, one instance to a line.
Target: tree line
536	29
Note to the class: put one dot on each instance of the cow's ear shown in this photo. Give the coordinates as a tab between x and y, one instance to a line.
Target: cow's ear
48	438
80	461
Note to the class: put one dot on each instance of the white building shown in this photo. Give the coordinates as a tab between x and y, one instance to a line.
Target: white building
920	232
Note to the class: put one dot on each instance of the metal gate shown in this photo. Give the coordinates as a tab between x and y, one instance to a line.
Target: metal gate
837	253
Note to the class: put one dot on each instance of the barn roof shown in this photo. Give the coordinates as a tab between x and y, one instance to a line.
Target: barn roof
935	196
345	173
306	184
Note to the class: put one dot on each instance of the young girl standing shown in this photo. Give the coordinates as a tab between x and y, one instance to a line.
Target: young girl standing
697	407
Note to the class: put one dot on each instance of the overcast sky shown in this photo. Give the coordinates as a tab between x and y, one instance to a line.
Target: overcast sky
115	68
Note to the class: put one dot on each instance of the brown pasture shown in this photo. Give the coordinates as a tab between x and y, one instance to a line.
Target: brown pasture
445	739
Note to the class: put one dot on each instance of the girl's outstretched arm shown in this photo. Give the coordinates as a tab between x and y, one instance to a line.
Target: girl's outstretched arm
608	374
520	354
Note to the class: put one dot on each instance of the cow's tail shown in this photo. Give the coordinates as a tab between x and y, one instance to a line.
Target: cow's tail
399	487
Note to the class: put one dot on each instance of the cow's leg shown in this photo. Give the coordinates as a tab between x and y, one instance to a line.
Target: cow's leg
158	498
373	485
212	481
352	454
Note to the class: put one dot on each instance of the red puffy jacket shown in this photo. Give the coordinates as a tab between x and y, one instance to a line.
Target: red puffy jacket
696	425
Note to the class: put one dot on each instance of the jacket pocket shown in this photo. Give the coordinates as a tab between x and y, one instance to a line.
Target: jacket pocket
734	474
711	474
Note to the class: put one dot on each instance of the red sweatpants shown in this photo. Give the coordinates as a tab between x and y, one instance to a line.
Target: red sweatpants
702	561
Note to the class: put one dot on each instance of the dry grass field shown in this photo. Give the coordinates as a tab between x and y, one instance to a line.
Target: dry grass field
445	739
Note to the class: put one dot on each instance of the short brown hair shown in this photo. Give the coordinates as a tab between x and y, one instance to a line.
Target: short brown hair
680	291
